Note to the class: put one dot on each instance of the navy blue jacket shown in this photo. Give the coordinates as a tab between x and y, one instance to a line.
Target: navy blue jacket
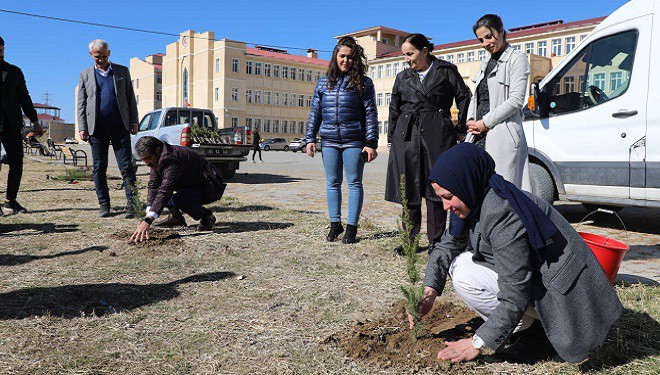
342	117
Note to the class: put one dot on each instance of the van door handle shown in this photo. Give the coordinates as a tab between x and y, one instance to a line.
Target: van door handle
624	113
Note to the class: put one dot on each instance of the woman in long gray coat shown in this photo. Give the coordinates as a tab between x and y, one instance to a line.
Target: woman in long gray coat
527	273
495	110
421	129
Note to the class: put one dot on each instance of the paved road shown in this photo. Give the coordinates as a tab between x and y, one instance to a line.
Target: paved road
296	181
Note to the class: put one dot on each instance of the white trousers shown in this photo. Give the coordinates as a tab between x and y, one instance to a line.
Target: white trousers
477	286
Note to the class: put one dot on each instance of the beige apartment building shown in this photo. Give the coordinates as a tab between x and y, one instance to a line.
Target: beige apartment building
271	90
545	44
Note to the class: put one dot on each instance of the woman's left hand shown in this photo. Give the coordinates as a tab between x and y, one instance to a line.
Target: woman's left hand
477	127
371	154
459	351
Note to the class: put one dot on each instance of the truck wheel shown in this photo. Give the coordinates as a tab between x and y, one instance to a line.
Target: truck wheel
286	148
542	184
227	173
266	148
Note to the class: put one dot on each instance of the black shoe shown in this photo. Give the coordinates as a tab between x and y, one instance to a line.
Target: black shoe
335	230
171	221
206	223
15	206
529	346
349	236
104	210
130	213
398	251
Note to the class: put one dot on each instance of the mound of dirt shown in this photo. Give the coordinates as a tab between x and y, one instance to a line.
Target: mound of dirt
157	237
388	342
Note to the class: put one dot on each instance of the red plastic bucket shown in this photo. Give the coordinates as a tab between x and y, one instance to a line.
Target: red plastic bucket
609	252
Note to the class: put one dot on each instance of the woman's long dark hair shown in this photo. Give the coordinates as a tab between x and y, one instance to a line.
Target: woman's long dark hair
419	41
357	72
492	22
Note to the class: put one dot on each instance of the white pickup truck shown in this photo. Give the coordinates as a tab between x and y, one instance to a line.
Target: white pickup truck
224	148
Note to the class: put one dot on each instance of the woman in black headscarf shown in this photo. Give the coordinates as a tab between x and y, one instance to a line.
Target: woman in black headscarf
528	273
421	129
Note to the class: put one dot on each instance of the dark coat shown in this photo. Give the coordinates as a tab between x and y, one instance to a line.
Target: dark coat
342	116
421	127
256	139
180	168
563	281
15	96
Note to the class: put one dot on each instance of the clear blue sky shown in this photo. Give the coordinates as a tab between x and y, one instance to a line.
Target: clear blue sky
52	53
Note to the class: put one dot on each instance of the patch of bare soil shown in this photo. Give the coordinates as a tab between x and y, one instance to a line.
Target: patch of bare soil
157	238
388	342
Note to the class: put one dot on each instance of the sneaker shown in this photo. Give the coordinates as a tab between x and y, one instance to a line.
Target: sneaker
171	221
206	223
104	210
261	161
253	161
15	206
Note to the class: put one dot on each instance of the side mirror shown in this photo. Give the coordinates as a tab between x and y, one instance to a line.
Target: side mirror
536	102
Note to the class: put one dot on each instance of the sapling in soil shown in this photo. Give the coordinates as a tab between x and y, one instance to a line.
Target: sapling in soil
412	292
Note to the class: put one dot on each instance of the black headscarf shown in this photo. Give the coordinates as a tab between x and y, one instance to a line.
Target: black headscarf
468	172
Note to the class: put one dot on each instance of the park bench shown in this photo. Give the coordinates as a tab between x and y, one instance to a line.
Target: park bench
74	155
54	149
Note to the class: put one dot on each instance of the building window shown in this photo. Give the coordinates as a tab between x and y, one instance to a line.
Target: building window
556	47
292	100
234	94
301	100
267	97
616	80
309	75
248	96
380	127
570	44
248	67
159	96
276	98
396	69
266	70
379	99
285	127
257	96
372	72
257	68
217	94
248	123
516	47
388	70
285	72
276	124
267	125
542	48
301	73
217	65
380	72
388	98
257	125
309	101
301	127
385	127
285	98
384	40
599	80
294	71
159	78
529	48
318	75
137	98
470	56
234	65
460	58
276	71
185	86
450	58
234	122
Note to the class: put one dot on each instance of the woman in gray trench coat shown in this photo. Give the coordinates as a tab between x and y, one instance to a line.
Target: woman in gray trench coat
421	129
496	108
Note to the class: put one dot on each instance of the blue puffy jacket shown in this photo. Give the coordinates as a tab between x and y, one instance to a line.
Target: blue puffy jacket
345	118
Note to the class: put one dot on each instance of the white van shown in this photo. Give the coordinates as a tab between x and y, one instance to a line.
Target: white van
594	136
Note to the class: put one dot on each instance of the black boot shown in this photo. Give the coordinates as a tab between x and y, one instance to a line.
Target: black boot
528	346
349	236
335	230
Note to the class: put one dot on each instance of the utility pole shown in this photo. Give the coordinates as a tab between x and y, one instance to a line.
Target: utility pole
46	97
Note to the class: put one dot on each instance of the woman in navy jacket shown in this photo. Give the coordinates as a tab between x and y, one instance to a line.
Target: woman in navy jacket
344	115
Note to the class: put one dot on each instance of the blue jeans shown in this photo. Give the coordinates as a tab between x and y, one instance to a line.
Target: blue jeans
335	161
121	143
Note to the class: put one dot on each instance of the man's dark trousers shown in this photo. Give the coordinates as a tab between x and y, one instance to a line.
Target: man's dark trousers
191	200
12	140
121	144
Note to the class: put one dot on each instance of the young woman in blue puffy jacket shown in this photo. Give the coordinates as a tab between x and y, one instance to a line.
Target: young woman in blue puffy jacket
344	115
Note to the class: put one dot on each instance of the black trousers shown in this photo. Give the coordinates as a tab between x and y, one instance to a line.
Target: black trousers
435	221
254	152
12	140
121	144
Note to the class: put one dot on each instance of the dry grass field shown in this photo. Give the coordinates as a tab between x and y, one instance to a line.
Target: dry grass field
262	293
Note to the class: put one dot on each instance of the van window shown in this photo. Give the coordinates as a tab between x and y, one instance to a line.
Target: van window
170	118
144	124
154	120
601	72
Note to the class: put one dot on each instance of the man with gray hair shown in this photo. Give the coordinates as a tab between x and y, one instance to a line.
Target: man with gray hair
180	179
107	113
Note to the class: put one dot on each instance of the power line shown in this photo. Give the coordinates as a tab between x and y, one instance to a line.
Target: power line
69	20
